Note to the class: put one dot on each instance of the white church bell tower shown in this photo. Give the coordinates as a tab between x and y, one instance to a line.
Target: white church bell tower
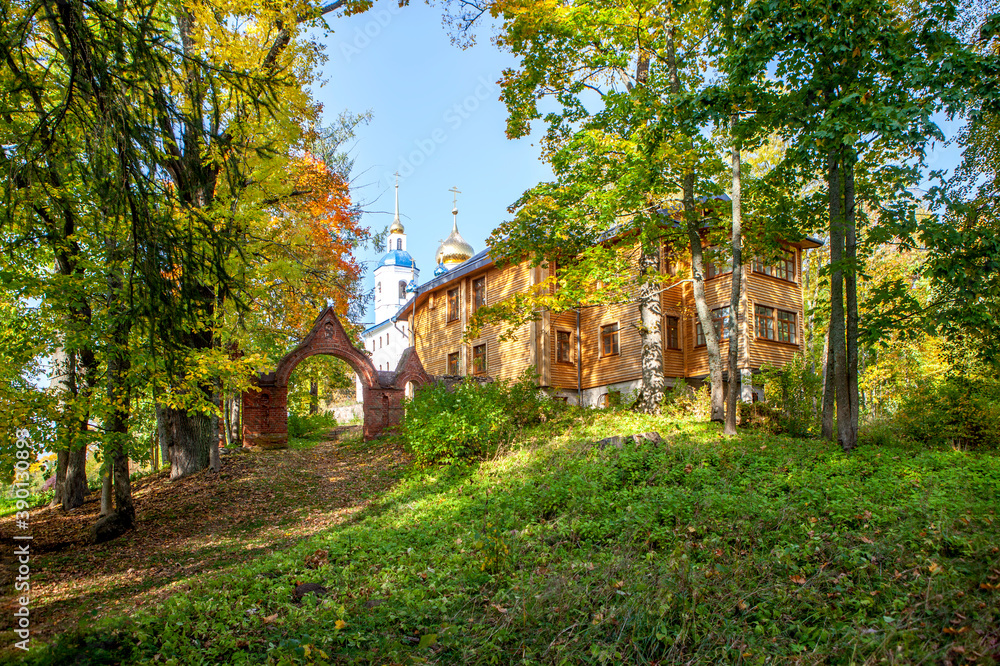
395	272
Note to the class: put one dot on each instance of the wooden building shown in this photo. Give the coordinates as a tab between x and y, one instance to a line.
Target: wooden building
582	355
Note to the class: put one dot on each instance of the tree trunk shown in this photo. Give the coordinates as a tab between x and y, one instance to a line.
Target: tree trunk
692	225
651	331
189	441
105	492
851	294
838	340
154	463
162	433
650	310
75	482
71	458
313	396
214	462
62	458
235	434
119	411
732	395
829	393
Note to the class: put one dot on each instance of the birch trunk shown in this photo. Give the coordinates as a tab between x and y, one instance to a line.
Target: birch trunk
732	394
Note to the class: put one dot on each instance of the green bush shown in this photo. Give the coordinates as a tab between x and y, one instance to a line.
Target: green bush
796	392
679	400
471	421
877	432
760	416
959	411
310	425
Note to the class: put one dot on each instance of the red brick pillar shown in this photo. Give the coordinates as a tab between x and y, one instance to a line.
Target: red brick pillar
265	417
383	408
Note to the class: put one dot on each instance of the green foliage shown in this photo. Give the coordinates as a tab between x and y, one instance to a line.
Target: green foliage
796	392
958	411
332	376
472	420
761	416
708	550
683	400
310	426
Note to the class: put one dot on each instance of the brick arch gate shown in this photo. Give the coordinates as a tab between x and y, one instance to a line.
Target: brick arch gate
265	407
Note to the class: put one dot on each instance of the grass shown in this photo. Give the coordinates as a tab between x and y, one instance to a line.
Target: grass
703	550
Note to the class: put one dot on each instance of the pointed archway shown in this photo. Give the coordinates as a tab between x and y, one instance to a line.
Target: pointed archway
265	406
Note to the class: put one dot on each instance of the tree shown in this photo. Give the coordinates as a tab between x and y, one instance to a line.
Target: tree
852	79
140	139
624	169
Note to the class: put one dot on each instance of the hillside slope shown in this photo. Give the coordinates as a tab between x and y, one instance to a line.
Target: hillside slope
700	550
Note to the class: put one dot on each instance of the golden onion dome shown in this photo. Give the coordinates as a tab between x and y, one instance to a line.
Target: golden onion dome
454	249
397	227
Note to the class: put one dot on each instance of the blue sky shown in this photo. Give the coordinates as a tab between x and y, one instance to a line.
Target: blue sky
437	119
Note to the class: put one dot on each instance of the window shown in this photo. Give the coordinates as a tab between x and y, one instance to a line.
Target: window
765	322
380	342
453	305
402	289
720	321
667	263
673	332
479	359
379	287
786	327
453	363
721	266
564	353
775	324
609	340
713	270
399	243
783	268
478	293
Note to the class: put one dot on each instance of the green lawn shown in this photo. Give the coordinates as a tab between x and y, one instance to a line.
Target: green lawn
706	550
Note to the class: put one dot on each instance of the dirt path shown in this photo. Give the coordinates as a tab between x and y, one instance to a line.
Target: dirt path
260	501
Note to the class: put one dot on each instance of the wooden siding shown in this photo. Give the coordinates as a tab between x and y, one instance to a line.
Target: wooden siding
534	344
436	338
621	367
563	374
781	295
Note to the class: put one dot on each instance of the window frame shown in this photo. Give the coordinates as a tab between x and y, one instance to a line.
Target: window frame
478	293
767	318
476	356
457	359
711	269
721	329
786	265
452	314
775	326
616	339
569	347
668	329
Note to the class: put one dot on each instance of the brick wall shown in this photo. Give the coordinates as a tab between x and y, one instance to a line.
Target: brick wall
265	408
